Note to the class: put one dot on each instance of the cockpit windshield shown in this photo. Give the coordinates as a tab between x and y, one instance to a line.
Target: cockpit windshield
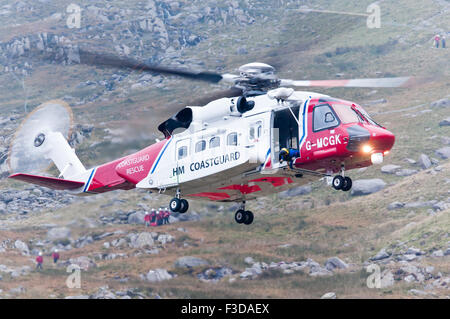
347	114
367	116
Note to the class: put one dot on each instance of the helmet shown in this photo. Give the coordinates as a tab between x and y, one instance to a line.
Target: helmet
56	250
40	253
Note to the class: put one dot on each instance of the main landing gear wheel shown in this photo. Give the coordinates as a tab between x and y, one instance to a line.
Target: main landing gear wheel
244	217
248	217
175	204
179	205
338	182
184	206
239	217
347	184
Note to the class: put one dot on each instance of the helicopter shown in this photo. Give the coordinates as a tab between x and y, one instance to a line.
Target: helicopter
257	138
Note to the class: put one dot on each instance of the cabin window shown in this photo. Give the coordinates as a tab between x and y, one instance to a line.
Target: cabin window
182	152
324	118
232	139
259	129
214	142
200	146
251	135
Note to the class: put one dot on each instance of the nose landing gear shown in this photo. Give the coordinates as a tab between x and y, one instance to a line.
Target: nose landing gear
243	216
341	182
178	205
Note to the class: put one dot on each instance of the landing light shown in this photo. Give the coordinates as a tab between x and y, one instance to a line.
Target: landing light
367	148
376	158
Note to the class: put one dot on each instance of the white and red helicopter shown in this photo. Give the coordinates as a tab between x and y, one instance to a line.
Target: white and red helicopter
261	137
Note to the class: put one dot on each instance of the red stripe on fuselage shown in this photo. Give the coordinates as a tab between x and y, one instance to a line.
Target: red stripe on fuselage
136	167
125	172
244	189
212	196
275	181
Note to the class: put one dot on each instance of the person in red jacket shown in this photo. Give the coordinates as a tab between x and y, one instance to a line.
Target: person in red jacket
147	219
159	217
39	261
437	38
153	218
55	256
166	216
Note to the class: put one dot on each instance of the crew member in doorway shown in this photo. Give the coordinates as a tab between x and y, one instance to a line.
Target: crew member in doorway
289	155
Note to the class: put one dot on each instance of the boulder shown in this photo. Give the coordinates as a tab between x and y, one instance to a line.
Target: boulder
190	262
367	186
136	218
382	254
103	293
85	263
414	251
142	240
214	274
329	295
406	172
395	205
390	168
58	233
445	102
249	260
444	152
157	275
297	191
77	297
437	253
22	247
387	279
165	238
424	161
335	263
445	122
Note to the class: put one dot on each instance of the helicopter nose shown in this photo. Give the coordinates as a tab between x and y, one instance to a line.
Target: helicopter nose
382	140
369	139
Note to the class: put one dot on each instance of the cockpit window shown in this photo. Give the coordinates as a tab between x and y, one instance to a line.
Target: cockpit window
324	118
346	114
367	116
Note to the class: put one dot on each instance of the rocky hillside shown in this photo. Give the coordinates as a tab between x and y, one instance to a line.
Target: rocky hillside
308	242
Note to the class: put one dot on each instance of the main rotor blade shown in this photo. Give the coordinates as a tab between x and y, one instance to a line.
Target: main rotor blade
98	59
361	83
232	92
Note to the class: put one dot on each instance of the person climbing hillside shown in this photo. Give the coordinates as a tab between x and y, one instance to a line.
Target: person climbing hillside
39	261
55	256
437	39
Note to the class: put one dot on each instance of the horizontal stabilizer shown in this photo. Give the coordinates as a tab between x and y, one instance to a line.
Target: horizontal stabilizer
50	182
